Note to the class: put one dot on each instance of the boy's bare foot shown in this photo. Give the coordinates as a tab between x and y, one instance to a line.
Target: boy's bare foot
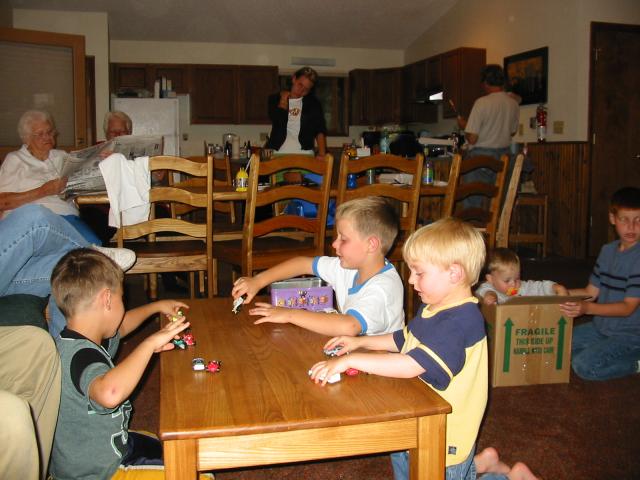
488	460
520	471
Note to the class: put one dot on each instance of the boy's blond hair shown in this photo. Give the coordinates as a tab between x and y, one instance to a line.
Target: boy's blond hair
371	216
79	276
446	242
501	258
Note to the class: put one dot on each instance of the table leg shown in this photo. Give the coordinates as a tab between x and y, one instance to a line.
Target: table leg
180	459
428	459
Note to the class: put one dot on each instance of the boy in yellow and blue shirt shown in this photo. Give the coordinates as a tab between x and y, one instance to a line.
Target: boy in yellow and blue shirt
445	345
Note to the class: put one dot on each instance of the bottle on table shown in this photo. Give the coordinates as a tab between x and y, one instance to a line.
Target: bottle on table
242	180
427	173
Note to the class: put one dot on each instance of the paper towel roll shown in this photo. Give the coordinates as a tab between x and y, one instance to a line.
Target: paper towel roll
235	147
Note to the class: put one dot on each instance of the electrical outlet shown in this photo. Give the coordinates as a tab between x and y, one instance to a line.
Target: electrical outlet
520	129
263	136
532	123
558	126
185	137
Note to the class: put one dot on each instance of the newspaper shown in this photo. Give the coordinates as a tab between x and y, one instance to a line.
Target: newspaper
82	169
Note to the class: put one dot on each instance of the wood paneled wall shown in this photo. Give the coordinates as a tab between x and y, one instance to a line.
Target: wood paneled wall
561	170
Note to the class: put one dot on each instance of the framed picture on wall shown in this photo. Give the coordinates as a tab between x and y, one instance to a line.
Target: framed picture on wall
526	75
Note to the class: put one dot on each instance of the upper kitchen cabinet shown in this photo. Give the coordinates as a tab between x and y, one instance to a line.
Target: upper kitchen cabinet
415	105
254	85
386	96
376	96
213	94
235	94
142	76
359	84
461	70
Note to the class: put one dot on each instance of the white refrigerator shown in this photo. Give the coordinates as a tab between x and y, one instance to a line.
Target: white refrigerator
153	116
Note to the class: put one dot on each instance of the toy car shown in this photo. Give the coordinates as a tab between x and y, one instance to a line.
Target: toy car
197	363
332	352
237	304
214	366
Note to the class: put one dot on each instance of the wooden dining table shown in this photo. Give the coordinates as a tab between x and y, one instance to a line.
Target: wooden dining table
261	408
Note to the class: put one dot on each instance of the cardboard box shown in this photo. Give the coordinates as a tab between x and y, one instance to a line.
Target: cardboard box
302	293
529	341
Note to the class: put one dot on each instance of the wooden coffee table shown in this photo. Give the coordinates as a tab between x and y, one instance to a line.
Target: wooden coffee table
262	408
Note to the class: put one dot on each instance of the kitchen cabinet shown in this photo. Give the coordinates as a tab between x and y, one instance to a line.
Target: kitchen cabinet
415	108
220	94
376	96
254	85
359	84
461	70
213	94
233	94
142	76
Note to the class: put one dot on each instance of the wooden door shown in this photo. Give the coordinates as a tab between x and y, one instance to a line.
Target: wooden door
614	121
47	71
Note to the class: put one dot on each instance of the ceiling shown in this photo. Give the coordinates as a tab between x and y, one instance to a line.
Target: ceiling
381	24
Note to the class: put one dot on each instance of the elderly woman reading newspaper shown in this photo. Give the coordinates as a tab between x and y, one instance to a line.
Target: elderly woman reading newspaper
32	175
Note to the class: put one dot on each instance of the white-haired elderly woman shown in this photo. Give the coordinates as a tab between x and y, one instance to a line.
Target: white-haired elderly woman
116	123
32	174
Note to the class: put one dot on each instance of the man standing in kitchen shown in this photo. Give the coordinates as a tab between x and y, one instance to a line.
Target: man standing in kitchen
492	122
297	118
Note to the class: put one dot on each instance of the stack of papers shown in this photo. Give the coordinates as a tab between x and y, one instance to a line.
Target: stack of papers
396	178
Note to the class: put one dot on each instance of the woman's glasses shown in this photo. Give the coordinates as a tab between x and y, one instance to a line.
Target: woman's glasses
45	134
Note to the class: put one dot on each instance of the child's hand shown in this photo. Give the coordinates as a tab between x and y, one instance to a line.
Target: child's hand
270	313
161	340
322	371
490	298
171	308
560	290
348	344
245	286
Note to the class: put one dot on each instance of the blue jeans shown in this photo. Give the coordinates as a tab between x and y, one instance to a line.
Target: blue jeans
463	471
483	175
599	357
32	240
84	229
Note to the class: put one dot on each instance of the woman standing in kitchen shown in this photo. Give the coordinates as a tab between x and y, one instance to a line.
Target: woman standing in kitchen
296	117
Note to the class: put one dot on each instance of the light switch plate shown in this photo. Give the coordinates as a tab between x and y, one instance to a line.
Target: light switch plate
558	126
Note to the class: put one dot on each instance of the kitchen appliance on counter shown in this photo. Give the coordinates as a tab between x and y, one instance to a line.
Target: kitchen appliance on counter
437	147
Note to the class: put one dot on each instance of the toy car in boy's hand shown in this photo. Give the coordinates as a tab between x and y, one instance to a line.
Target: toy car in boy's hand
332	352
237	304
175	318
352	372
179	343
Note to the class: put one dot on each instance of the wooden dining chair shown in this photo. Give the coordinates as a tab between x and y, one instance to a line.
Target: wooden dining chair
450	195
175	244
221	177
269	241
483	217
502	235
405	197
